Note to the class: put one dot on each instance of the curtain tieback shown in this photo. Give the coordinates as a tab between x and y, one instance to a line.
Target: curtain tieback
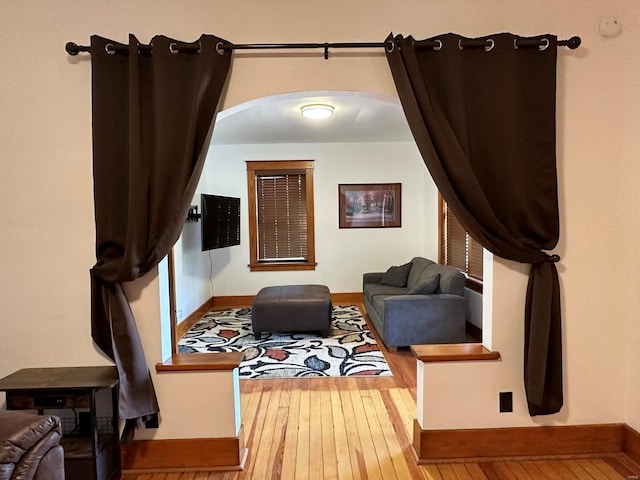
552	258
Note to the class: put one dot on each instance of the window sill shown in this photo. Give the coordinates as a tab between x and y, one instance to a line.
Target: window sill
189	362
273	267
453	352
474	284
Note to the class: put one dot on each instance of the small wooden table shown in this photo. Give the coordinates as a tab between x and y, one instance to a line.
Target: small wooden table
91	451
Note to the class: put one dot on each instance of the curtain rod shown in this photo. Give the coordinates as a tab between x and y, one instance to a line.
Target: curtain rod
73	48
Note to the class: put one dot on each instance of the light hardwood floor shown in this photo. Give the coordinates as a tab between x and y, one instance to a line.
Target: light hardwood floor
360	428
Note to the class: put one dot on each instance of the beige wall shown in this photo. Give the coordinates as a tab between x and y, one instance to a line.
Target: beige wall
45	201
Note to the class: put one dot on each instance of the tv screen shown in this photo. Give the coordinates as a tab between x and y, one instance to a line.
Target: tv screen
220	221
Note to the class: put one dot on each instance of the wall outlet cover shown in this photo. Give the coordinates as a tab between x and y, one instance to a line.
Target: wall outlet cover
506	402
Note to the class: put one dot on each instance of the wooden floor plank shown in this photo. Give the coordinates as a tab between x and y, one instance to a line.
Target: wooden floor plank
302	451
576	468
592	470
541	470
403	435
475	471
384	461
431	472
609	464
291	436
364	433
276	452
316	467
329	455
343	454
490	471
461	471
562	470
504	472
357	462
390	436
259	440
524	470
446	471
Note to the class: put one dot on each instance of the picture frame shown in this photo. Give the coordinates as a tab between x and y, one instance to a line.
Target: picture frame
369	205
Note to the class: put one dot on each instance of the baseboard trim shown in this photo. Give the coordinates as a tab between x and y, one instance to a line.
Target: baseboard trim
348	298
548	441
232	301
632	444
246	300
185	325
184	454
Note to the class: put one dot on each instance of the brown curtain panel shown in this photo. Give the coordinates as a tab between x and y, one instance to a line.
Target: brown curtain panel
483	118
153	115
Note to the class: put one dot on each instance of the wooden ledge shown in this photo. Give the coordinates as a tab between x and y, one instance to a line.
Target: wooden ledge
454	352
192	362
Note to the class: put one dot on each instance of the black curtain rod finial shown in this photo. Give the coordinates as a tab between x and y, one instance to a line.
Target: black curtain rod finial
74	49
573	43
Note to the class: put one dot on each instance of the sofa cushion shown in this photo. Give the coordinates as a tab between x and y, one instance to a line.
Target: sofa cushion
418	265
451	279
373	289
396	276
426	286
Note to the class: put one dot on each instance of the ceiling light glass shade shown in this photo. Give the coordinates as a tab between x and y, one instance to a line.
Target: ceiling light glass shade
317	110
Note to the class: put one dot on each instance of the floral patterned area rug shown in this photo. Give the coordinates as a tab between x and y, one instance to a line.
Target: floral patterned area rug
349	350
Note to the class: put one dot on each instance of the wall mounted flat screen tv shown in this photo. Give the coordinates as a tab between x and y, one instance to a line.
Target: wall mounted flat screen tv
220	221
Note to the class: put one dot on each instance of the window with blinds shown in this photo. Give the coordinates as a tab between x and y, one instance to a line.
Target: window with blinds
457	247
281	215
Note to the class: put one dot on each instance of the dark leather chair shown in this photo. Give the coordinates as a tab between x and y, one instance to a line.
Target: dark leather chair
30	447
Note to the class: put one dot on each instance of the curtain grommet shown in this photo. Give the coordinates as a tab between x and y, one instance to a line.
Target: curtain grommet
219	48
489	47
460	47
109	49
438	45
545	44
390	46
172	48
515	44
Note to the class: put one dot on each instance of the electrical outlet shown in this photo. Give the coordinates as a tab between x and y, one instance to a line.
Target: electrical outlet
506	402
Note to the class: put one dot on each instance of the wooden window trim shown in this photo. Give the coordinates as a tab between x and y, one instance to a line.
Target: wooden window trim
472	283
253	167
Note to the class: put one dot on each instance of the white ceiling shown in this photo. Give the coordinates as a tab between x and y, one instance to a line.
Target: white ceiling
357	117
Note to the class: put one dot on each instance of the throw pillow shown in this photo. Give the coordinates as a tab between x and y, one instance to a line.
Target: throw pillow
426	286
396	276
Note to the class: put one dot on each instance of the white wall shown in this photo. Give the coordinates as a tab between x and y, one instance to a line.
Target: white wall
343	255
46	246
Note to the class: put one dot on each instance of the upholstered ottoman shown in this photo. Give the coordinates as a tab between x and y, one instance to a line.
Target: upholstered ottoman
292	308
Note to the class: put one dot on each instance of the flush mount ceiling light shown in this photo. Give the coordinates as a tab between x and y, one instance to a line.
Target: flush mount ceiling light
317	110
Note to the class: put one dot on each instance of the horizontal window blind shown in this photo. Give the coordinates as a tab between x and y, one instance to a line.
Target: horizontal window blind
460	250
282	217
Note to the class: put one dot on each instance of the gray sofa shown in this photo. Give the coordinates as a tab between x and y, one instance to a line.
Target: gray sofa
420	302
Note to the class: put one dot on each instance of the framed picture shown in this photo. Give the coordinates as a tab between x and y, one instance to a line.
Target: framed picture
369	205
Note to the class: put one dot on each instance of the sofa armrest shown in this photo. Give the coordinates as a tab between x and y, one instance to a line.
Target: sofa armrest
371	277
416	319
30	446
